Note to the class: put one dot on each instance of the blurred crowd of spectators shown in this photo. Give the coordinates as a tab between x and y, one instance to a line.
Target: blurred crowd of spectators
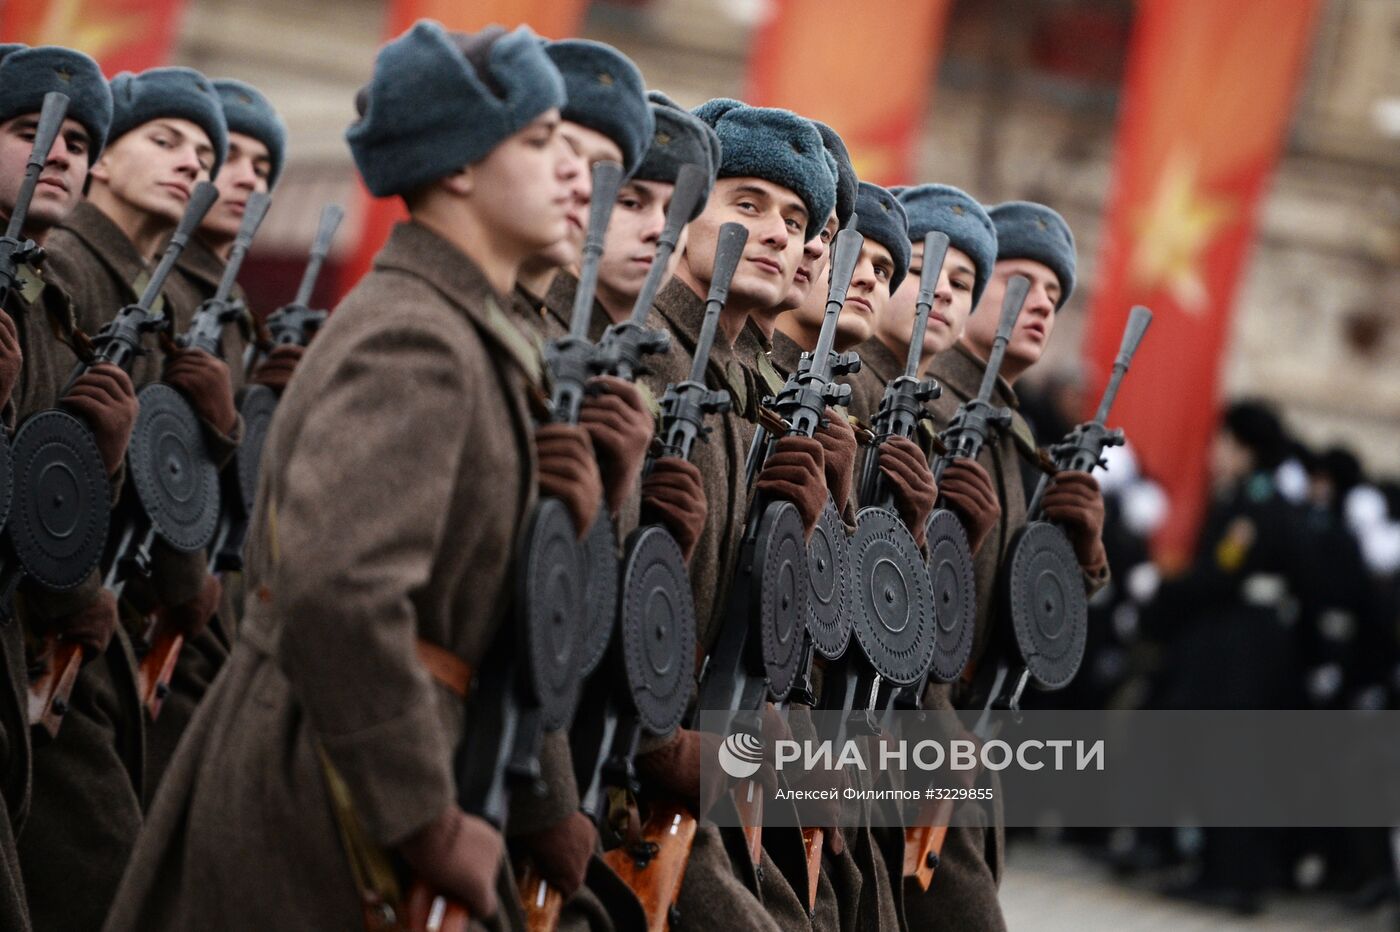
1290	599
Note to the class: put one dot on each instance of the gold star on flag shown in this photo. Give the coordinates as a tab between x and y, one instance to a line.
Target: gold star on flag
1172	233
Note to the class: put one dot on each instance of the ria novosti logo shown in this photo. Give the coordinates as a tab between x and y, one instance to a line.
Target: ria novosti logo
740	755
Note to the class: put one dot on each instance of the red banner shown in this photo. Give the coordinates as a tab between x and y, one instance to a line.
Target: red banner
864	70
1209	90
554	19
123	35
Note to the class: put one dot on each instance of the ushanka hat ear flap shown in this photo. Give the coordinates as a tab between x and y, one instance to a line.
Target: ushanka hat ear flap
427	113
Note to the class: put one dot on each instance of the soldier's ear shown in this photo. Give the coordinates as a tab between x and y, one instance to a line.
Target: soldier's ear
462	182
101	170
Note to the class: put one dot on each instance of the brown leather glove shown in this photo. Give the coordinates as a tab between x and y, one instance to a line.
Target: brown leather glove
460	856
103	397
620	425
561	852
204	380
838	440
190	618
11	357
1074	502
674	768
276	370
674	495
569	471
90	627
793	471
967	490
903	465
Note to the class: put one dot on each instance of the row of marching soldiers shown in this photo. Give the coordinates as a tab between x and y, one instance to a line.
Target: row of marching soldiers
306	765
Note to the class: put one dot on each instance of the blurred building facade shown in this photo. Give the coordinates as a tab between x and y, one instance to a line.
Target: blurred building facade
1025	107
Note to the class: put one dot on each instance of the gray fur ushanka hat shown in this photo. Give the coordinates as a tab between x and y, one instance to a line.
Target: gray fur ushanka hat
1027	230
27	74
178	93
846	181
777	146
680	139
945	209
605	92
248	112
428	113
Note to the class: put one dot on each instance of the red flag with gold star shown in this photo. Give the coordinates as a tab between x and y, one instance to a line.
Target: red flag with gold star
122	35
554	19
1209	90
865	70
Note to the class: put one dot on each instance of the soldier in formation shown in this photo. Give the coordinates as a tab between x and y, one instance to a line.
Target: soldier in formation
317	761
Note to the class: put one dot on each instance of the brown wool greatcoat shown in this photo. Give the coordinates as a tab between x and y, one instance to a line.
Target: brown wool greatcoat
397	473
718	885
720	456
721	888
603	903
28	304
856	890
964	890
195	280
86	808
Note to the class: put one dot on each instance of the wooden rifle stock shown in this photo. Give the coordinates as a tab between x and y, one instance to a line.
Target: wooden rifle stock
923	843
429	911
748	799
813	839
50	694
654	866
157	669
542	902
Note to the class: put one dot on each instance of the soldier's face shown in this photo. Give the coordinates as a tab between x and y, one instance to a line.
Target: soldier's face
521	190
952	302
1033	327
815	253
866	298
60	184
633	232
245	171
776	219
585	148
154	167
